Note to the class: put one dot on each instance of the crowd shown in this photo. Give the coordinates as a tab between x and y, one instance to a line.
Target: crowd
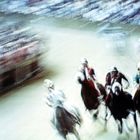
20	49
118	11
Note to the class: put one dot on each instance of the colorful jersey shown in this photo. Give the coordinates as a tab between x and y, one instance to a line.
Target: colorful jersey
110	78
137	78
55	98
91	71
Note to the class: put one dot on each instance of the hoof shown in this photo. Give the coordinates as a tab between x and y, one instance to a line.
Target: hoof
95	116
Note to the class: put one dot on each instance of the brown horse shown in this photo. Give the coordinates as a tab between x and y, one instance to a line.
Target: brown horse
91	93
137	99
120	104
66	121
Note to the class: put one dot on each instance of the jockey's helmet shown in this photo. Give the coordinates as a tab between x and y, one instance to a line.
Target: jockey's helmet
48	84
115	69
84	61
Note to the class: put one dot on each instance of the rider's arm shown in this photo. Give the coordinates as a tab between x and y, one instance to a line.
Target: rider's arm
79	77
124	77
48	100
61	94
88	76
48	103
91	74
108	79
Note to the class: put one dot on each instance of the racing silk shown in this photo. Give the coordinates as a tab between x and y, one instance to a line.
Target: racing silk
137	78
55	97
90	73
110	79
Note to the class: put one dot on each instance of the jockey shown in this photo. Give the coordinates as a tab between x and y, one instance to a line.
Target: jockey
137	76
54	97
57	98
90	73
115	75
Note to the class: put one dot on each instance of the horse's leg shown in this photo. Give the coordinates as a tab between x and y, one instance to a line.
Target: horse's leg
129	125
95	115
64	135
106	114
136	124
76	134
120	126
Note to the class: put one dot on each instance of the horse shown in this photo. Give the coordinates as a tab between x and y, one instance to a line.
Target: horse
136	99
121	105
91	92
65	121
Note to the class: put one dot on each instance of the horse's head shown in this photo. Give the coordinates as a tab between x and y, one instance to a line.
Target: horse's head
116	88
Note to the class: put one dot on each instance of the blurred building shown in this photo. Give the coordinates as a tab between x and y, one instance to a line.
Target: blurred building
19	55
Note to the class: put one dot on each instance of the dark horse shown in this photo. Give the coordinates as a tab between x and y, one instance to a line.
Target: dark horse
66	121
120	104
137	99
91	92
